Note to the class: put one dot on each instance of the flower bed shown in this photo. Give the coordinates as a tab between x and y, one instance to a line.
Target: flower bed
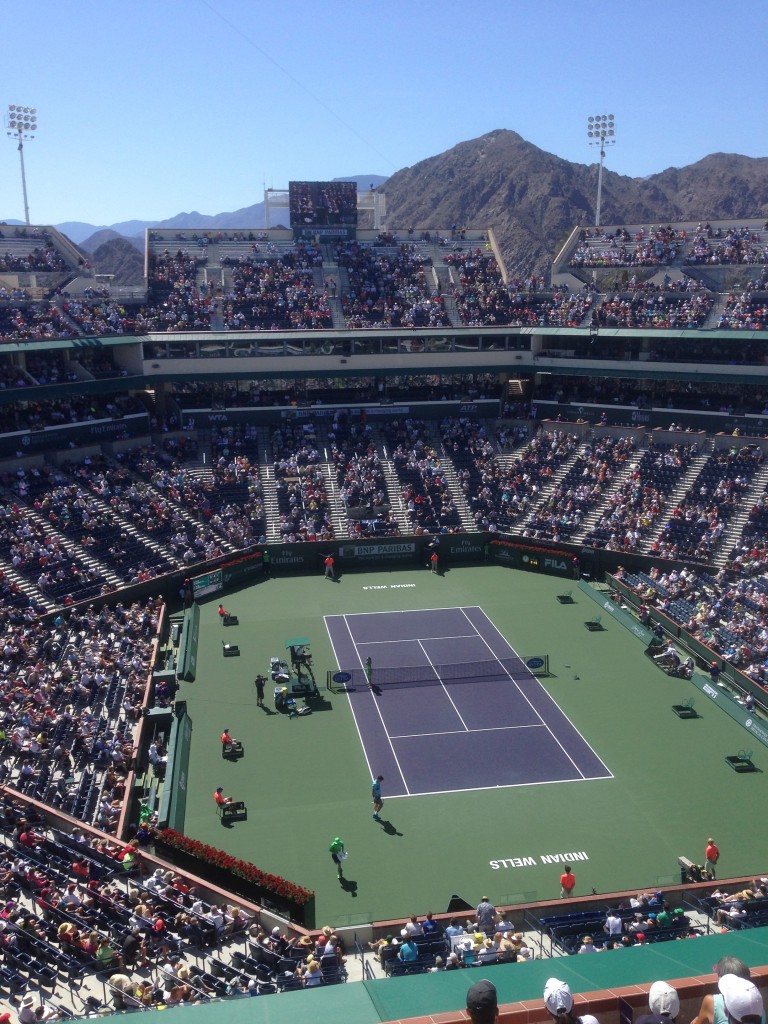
237	876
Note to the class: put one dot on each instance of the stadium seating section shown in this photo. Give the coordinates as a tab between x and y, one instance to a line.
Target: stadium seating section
79	522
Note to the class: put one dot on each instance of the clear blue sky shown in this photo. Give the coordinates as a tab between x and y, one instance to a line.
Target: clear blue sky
154	107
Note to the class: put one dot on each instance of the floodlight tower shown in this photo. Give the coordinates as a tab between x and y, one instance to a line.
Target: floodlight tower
21	123
600	132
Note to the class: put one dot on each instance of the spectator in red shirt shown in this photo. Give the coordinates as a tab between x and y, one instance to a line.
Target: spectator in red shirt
711	856
567	881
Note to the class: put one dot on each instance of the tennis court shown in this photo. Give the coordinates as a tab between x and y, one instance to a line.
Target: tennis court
305	780
445	684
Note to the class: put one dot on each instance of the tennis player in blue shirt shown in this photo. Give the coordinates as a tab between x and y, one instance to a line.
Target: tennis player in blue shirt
378	803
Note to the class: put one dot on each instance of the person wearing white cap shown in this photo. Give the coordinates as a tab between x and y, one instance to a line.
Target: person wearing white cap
664	1004
558	1000
712	1010
742	999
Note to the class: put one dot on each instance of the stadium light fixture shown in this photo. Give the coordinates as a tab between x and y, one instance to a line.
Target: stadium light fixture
601	131
21	124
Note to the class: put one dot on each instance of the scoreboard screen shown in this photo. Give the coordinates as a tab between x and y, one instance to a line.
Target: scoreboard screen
322	204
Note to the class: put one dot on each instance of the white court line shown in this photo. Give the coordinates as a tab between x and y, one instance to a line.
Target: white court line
460	732
450	698
352	707
525	696
507	785
378	711
418	639
472	789
401	611
550	698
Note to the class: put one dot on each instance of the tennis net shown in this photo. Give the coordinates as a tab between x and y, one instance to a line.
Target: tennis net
502	669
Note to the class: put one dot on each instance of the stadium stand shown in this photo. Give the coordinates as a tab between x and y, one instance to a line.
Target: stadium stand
91	514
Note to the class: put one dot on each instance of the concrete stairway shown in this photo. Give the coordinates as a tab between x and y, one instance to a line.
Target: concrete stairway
80	552
595	513
677	494
553	481
450	308
732	533
393	488
461	503
338	512
27	587
269	496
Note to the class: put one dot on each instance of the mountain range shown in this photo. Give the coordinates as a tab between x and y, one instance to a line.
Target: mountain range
532	199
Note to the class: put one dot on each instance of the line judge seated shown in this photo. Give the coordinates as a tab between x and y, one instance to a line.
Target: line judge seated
221	800
228	743
669	658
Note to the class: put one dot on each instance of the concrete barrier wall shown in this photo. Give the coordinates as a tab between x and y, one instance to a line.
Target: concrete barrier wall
190	634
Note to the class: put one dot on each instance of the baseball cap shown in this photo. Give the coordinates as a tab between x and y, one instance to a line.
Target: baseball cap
663	1000
741	997
482	1001
557	997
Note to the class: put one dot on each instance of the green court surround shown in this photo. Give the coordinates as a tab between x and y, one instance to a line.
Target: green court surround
305	780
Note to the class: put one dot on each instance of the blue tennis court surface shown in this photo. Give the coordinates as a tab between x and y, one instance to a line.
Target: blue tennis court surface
452	706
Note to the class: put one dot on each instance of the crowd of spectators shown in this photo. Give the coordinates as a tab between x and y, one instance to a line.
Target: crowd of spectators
749	556
509	487
142	505
41	258
426	946
225	518
734	245
66	690
12	376
583	485
721	396
657	247
34	415
98	318
50	565
360	479
300	483
151	938
48	368
300	256
389	289
71	505
481	297
429	504
744	313
175	300
699	519
632	510
276	294
654	309
728	614
34	321
237	502
206	238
